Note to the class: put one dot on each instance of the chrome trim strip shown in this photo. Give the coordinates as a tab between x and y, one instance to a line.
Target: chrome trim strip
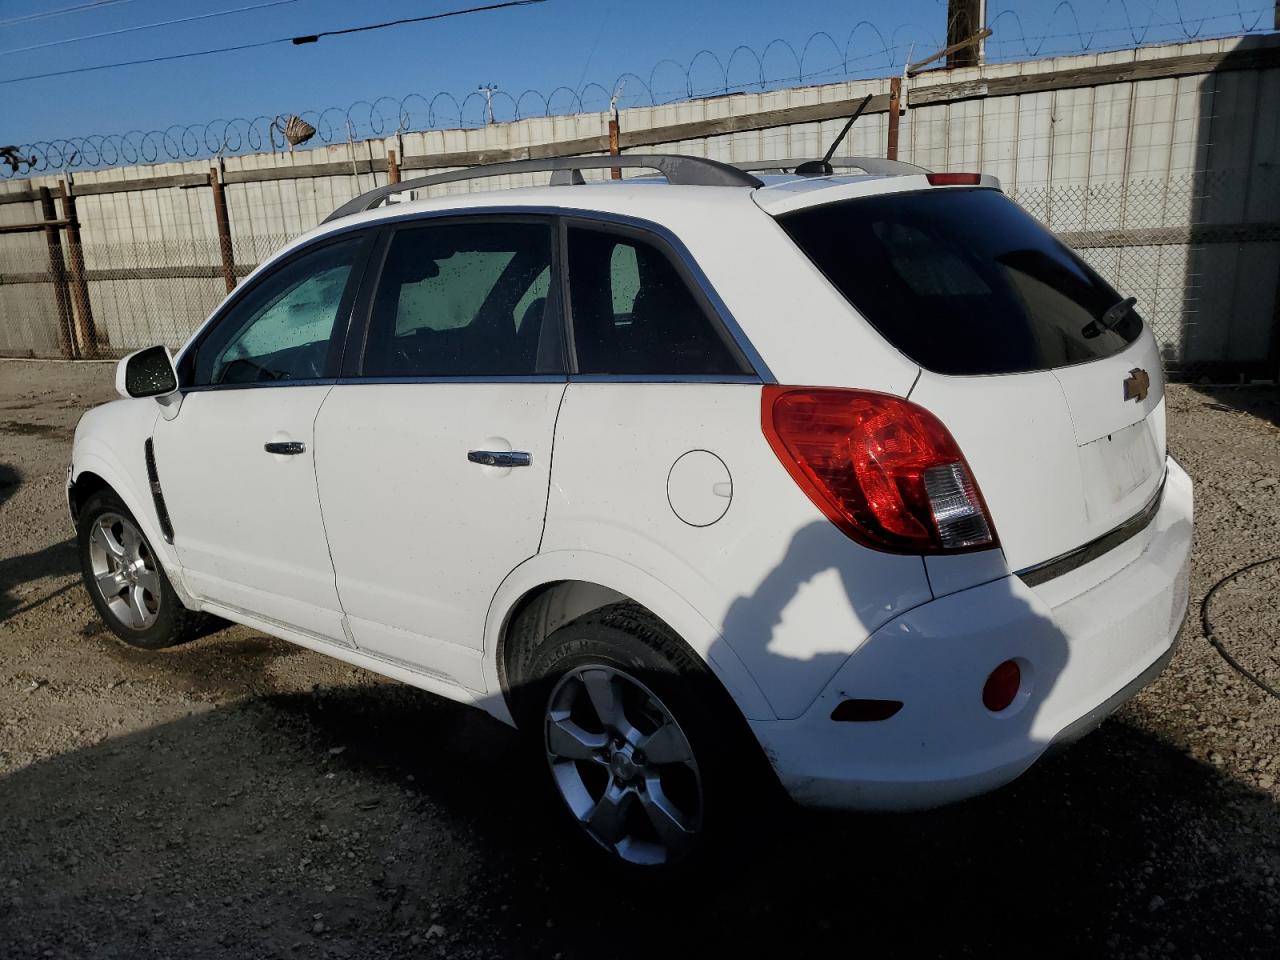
539	378
213	387
662	378
1040	573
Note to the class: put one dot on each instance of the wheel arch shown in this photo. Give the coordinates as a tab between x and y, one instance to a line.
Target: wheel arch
98	469
552	589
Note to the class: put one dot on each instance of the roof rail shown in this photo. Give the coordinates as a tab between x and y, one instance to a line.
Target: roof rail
678	169
876	166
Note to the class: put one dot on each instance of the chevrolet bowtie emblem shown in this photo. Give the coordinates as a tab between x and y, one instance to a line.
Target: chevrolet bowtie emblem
1137	384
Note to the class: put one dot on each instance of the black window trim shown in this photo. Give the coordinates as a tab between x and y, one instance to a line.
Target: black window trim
362	314
379	229
695	282
338	337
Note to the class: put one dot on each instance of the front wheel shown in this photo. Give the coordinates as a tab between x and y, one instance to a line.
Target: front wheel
125	580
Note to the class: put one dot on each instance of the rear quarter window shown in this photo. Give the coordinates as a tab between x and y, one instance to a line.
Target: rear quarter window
964	282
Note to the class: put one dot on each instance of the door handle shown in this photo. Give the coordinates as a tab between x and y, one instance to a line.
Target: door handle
500	458
287	447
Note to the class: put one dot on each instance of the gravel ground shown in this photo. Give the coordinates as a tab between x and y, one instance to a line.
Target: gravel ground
242	797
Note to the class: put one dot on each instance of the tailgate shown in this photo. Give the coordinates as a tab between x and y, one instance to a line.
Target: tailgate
1060	455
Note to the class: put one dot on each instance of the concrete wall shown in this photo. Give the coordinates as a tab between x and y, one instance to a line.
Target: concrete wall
1133	156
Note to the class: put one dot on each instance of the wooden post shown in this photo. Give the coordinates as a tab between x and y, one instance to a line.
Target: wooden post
86	335
224	230
393	168
964	20
615	173
58	271
895	109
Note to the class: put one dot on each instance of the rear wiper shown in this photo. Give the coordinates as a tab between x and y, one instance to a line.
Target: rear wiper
1113	315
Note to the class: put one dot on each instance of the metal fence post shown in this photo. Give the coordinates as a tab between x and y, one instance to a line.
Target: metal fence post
393	168
58	271
615	173
224	230
85	333
895	108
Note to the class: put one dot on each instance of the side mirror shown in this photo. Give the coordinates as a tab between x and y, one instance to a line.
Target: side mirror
147	373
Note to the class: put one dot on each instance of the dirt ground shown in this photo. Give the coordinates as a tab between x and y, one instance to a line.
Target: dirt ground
242	797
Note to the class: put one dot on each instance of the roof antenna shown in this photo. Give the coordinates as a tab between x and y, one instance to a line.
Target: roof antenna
822	168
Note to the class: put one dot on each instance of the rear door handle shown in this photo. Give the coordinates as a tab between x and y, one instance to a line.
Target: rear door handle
500	458
287	447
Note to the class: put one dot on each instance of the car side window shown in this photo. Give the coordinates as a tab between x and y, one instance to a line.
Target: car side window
461	300
633	313
281	329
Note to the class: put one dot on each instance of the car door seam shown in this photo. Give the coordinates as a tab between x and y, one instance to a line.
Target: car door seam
551	465
324	529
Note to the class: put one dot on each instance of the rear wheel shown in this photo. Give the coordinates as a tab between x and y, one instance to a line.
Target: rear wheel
125	580
623	765
642	744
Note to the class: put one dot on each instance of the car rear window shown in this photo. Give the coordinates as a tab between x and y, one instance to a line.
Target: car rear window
963	282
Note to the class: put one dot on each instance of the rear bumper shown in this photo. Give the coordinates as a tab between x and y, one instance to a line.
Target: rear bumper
1085	643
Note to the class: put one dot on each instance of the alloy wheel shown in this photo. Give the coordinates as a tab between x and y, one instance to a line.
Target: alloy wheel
623	765
124	571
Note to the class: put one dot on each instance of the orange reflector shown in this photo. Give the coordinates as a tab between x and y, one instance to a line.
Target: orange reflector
1002	686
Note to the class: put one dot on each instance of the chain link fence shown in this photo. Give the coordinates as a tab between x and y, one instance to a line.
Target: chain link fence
139	293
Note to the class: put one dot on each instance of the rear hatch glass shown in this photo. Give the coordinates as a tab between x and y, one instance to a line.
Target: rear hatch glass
964	282
1059	413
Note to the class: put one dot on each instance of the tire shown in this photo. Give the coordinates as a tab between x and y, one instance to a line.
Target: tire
114	552
625	782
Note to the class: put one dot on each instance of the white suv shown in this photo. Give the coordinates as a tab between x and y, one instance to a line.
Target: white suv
862	476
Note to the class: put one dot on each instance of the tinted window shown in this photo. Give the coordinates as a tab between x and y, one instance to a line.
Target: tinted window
280	329
634	314
459	300
963	281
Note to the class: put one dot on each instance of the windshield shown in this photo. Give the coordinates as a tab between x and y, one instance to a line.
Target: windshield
964	282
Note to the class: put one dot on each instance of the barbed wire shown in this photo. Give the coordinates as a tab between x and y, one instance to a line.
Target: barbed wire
823	56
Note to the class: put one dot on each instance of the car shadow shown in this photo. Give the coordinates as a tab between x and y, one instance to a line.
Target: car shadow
373	821
58	560
383	821
922	660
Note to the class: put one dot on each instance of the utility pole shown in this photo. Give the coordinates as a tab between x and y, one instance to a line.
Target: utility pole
965	18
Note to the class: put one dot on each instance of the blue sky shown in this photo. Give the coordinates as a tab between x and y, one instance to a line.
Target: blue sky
560	43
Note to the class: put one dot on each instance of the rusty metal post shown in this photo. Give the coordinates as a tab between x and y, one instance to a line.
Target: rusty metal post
58	271
895	109
393	168
86	335
614	172
224	230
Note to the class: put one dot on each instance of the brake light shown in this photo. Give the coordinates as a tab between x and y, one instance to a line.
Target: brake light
883	470
954	179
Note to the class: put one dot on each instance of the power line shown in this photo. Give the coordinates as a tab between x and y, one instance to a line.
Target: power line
311	38
46	14
147	26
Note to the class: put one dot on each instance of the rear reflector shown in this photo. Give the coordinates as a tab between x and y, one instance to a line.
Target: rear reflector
883	470
865	711
954	179
1002	686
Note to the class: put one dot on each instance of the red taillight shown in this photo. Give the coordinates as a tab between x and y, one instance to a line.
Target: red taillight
1002	686
883	470
954	179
